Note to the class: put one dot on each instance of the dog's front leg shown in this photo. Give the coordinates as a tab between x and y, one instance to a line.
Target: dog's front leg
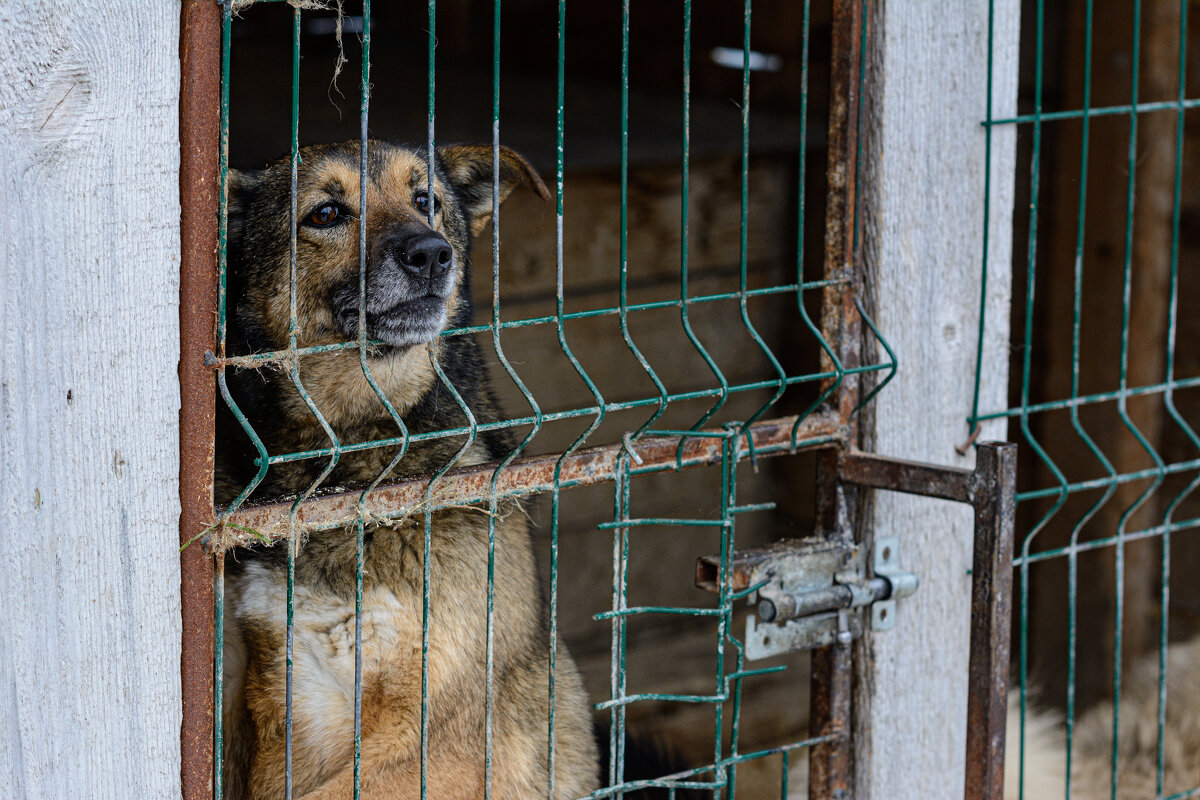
383	778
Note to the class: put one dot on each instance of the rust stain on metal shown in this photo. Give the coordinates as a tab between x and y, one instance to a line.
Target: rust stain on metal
830	763
523	476
898	475
829	715
199	121
742	565
991	615
840	322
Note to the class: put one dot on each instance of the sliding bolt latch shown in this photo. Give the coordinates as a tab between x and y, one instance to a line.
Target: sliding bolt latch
812	592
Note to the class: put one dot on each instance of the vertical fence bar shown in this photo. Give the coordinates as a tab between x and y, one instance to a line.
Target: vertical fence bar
744	227
559	185
729	465
489	700
431	117
620	574
828	353
1169	397
995	501
359	527
1026	372
829	704
199	135
425	589
623	316
559	303
722	774
1073	557
496	328
685	177
973	419
1122	397
218	782
293	534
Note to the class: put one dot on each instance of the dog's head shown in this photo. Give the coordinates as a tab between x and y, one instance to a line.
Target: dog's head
417	244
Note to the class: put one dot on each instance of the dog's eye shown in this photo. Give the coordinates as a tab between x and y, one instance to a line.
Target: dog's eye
421	201
325	215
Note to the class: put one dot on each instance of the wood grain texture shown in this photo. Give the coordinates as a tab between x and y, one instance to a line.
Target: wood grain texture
923	185
89	592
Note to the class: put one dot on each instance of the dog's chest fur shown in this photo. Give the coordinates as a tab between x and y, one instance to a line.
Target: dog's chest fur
392	634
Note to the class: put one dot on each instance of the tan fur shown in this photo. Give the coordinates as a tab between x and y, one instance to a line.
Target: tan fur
339	388
324	673
393	583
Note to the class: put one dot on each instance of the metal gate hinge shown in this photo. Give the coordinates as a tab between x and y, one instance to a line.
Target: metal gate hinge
811	593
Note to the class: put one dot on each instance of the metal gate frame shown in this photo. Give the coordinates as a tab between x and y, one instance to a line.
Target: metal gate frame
199	133
989	488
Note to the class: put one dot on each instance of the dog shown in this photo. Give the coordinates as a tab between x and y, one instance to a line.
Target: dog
418	247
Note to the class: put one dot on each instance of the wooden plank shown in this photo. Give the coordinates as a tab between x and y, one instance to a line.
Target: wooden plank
592	224
922	184
89	652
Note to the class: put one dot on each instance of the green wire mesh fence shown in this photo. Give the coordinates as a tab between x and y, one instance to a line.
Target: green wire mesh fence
1105	372
716	422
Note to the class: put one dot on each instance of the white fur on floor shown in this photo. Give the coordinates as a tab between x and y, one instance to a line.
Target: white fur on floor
1091	768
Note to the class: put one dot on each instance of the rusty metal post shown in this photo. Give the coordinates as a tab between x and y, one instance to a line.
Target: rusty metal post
994	497
199	116
829	715
840	321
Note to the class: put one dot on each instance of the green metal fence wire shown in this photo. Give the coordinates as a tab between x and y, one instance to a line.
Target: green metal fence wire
733	438
1046	491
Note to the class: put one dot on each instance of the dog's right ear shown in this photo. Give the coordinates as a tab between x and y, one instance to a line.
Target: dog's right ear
239	186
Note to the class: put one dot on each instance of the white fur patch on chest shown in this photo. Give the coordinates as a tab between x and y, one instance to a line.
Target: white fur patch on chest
323	650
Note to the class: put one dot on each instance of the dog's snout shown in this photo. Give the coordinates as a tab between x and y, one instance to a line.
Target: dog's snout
428	255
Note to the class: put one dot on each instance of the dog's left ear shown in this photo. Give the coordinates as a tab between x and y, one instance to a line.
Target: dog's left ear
469	168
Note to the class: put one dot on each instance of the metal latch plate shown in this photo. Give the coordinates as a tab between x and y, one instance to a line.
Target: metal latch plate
811	593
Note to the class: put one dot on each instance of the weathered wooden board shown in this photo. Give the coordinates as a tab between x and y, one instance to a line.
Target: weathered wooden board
592	224
924	186
89	592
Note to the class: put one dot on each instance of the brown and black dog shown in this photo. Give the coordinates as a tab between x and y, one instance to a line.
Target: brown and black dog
416	286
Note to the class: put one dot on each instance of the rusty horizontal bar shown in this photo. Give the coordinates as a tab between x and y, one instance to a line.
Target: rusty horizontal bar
898	475
531	475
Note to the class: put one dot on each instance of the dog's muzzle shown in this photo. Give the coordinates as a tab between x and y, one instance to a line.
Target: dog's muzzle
409	285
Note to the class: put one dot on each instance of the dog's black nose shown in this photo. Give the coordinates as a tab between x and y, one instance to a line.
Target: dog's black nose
427	256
